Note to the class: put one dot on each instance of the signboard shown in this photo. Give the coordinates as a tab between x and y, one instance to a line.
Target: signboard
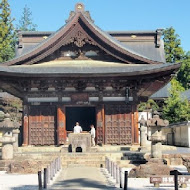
82	97
169	179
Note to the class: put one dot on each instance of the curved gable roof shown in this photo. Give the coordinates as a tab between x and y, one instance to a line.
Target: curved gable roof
80	30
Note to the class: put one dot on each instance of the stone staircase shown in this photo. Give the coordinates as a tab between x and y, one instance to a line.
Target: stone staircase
83	159
134	158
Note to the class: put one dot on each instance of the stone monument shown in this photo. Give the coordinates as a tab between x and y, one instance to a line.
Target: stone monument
7	126
143	134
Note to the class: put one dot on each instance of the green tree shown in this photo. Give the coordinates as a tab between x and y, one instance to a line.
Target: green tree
183	75
149	105
173	50
6	32
176	108
25	22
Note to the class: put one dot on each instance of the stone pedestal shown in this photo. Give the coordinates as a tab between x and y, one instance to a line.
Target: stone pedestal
143	139
82	140
7	152
156	150
7	148
15	134
156	146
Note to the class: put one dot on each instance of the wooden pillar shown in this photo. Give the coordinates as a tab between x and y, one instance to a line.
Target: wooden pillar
25	125
61	126
100	126
135	130
136	127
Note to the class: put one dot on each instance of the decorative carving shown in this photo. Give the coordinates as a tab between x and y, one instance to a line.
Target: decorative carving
80	39
43	85
100	87
117	86
80	85
59	85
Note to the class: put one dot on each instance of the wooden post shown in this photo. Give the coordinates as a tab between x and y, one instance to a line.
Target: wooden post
39	180
45	178
114	170
51	171
48	174
25	125
53	168
59	163
106	163
117	174
126	180
176	179
120	177
109	165
111	168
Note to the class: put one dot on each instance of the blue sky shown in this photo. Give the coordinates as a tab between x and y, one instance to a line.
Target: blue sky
111	15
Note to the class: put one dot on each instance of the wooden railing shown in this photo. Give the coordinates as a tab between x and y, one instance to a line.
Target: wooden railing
47	174
116	172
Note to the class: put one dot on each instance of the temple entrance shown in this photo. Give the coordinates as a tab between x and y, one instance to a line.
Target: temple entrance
84	115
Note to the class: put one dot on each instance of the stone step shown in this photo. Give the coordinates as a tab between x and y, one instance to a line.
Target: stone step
129	154
84	158
4	168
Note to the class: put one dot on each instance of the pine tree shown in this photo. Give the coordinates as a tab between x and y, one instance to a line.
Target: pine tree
149	105
176	108
6	32
173	50
184	73
25	23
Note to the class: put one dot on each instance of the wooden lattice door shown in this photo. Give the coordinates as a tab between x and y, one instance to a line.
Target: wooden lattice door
42	125
118	124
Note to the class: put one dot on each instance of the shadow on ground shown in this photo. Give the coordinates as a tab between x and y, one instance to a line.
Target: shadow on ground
80	183
25	187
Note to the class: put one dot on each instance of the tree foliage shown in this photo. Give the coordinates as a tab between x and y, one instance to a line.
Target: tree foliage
149	105
184	73
173	51
176	108
25	22
6	32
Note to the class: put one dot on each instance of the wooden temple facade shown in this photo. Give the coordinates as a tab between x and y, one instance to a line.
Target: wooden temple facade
81	73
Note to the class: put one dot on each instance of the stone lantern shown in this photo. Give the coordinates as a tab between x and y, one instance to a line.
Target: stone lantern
143	134
8	139
155	124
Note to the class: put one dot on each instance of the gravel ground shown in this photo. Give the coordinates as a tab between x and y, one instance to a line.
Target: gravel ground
18	182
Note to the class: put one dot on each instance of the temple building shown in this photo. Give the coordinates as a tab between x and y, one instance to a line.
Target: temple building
83	74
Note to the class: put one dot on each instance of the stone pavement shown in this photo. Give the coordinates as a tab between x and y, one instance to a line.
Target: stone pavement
76	178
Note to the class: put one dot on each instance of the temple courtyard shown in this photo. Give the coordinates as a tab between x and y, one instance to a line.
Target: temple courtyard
86	170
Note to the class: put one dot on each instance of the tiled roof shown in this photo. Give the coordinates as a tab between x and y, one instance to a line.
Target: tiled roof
87	67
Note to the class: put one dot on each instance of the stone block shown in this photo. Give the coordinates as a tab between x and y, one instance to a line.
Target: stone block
7	152
82	140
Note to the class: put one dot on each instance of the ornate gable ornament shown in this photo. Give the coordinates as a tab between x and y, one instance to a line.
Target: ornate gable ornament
79	38
79	7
